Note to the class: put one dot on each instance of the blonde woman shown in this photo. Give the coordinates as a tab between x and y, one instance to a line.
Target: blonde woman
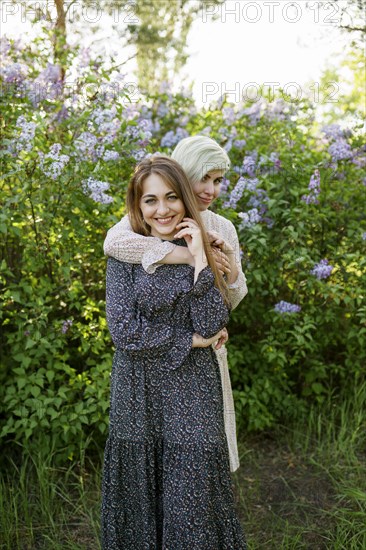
166	476
205	164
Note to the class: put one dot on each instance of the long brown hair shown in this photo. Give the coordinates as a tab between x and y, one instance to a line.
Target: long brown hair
174	176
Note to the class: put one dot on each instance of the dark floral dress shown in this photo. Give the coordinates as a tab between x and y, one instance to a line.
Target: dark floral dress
166	480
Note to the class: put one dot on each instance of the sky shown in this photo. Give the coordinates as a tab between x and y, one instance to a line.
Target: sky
280	43
284	44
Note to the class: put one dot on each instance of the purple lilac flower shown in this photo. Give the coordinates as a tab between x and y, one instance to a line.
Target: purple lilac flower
53	169
258	200
253	112
250	164
277	110
287	307
24	141
363	236
145	133
145	112
273	159
110	155
4	46
162	110
66	325
250	218
86	144
145	124
206	131
96	190
52	73
340	150
268	221
47	85
155	154
84	57
15	73
310	199
333	132
107	123
236	194
322	270
184	121
224	185
239	144
314	188
171	138
251	184
227	147
130	112
228	115
360	161
61	115
138	154
228	133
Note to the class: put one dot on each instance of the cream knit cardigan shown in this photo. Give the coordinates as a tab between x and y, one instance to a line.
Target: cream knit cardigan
125	245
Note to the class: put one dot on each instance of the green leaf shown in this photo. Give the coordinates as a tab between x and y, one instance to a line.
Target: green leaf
35	391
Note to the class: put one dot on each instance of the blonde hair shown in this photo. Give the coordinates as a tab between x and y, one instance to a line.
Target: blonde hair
174	176
199	155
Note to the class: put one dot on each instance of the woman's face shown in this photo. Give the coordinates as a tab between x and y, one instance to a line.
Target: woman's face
161	208
208	189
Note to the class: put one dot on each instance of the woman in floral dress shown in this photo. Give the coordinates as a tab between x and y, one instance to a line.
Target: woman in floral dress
205	164
166	477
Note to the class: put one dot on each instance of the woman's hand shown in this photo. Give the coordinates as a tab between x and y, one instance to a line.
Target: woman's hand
223	339
191	233
221	260
200	342
214	239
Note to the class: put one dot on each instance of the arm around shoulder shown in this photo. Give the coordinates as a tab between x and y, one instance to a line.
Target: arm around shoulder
123	244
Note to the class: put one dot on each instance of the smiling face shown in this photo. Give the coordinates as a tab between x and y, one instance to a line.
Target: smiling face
208	188
161	207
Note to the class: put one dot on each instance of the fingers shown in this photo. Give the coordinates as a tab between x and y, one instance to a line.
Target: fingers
221	260
219	344
187	222
223	338
215	239
187	232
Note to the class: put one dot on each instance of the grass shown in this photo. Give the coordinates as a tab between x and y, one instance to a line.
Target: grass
298	487
304	487
43	507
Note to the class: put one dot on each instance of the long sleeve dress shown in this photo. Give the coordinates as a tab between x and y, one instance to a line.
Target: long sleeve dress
125	245
166	477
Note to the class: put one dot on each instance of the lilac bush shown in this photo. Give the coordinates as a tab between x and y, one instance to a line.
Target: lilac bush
295	194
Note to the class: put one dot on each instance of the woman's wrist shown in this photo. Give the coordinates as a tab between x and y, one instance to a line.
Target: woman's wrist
233	275
200	260
180	255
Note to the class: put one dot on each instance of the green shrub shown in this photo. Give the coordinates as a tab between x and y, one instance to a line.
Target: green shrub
56	350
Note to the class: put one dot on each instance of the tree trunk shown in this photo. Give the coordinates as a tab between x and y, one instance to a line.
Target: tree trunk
59	38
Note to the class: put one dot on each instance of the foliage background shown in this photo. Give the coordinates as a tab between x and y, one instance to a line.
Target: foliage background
296	193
